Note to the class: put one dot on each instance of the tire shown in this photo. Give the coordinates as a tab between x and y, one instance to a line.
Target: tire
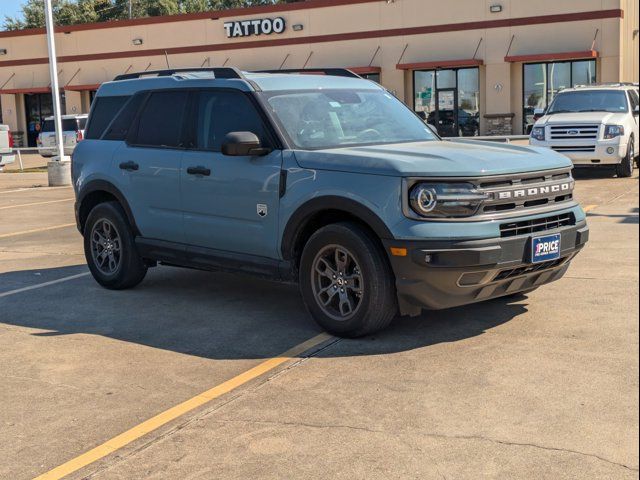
111	252
362	300
626	167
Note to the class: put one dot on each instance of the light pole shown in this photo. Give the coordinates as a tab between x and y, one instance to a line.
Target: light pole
59	169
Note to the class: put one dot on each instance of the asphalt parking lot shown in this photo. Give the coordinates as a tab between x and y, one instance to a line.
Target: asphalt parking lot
103	384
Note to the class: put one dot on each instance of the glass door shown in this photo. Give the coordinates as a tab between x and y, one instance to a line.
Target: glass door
449	99
446	113
37	106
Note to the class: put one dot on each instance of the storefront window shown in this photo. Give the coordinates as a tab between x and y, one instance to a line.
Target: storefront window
449	100
372	76
542	81
425	88
468	102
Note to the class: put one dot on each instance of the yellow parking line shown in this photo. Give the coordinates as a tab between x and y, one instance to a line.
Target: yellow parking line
33	189
588	208
36	203
173	413
36	230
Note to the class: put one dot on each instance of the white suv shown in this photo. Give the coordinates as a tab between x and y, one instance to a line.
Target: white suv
72	132
592	125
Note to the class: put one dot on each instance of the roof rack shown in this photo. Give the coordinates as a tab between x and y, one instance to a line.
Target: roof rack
218	72
335	72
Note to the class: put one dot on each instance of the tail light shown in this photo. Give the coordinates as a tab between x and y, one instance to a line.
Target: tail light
78	135
11	141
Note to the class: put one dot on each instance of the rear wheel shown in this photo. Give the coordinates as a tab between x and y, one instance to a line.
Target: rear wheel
346	281
626	167
110	249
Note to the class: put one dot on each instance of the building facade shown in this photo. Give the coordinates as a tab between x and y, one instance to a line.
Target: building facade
474	67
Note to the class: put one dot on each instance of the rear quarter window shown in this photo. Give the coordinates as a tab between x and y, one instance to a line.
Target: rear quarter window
103	112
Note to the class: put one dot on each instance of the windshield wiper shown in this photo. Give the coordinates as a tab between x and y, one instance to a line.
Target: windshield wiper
560	111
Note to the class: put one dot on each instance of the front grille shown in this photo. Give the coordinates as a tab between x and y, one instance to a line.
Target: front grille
538	267
526	191
528	227
571	132
574	148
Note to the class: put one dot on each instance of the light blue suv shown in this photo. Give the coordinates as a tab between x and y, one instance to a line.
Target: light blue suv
325	180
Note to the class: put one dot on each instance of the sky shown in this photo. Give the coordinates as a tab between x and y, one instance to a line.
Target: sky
9	8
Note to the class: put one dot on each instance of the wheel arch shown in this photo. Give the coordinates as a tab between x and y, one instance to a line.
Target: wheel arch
321	211
100	191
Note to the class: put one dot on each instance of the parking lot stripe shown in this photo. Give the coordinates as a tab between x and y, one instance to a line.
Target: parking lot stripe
37	203
32	189
173	413
36	230
42	285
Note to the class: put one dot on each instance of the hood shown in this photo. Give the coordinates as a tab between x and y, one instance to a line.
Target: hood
578	118
460	158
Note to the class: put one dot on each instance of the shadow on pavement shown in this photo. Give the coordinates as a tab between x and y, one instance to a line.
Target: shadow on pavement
221	316
630	218
597	172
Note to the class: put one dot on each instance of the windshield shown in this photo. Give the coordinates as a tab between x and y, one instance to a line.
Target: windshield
590	101
68	125
334	118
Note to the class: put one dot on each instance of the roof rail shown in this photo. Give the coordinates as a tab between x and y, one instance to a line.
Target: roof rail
218	72
606	84
335	72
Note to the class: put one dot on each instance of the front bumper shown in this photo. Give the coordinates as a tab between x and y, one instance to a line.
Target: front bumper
599	155
53	151
463	272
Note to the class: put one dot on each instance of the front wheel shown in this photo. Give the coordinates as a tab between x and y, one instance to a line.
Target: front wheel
346	281
110	249
626	167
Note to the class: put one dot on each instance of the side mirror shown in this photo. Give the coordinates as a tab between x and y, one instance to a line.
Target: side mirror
243	144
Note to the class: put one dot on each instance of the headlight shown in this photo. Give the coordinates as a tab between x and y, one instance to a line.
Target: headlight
537	133
613	131
442	200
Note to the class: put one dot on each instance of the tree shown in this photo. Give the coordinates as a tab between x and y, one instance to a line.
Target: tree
73	12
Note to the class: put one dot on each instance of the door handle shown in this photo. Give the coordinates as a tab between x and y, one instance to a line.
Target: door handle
129	166
199	170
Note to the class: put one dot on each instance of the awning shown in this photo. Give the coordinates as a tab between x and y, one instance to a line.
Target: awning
365	70
83	88
15	91
545	57
473	62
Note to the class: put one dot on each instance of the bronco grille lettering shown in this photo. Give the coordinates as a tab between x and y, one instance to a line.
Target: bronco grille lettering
524	193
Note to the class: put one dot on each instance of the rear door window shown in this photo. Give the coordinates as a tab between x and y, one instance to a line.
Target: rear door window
102	113
119	128
161	120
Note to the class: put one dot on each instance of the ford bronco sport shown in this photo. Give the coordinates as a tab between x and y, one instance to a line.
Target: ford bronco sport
325	180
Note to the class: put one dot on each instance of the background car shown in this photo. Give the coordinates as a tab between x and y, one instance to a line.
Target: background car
72	132
6	147
593	125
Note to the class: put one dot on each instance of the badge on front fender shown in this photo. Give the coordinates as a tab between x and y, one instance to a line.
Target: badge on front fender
544	249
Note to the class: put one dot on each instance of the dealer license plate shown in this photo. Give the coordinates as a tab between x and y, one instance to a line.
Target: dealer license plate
544	249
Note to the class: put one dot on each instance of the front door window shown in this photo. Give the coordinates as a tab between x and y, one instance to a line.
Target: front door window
449	100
